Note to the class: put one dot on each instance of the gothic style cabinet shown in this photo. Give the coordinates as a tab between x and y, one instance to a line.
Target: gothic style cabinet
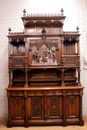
44	73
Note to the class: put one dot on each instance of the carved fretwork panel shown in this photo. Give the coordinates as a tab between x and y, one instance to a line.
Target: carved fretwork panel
35	107
73	92
17	107
16	93
16	62
72	106
43	52
54	105
35	93
70	60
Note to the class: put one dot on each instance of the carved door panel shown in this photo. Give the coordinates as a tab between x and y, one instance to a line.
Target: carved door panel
17	108
72	106
35	107
54	107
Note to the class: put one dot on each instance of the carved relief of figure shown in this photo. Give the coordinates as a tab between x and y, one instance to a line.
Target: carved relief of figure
36	57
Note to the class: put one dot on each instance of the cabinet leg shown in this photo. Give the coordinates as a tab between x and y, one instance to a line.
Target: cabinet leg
64	121
9	124
81	123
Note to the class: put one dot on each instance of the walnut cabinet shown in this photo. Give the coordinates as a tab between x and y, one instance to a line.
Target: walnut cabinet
44	73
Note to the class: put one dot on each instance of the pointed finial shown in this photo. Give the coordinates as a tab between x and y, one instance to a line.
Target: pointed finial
24	11
9	29
43	31
77	29
62	11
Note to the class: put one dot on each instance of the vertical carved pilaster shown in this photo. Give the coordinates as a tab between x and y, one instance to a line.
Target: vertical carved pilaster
64	108
81	118
9	123
25	62
26	114
45	110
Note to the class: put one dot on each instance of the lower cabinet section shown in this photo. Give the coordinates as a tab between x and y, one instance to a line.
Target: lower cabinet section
42	106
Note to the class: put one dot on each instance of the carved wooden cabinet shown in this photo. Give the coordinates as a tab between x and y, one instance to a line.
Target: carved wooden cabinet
44	73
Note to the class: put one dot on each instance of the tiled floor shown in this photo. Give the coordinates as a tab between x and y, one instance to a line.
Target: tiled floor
73	127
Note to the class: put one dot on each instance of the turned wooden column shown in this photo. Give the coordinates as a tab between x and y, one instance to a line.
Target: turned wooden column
30	57
26	78
26	46
9	49
63	84
10	77
9	45
62	46
78	69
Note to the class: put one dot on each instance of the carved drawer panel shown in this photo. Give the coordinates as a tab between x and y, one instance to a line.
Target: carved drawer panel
16	93
53	92
35	93
72	92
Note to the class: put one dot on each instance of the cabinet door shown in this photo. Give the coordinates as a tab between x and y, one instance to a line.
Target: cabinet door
54	107
35	107
72	107
17	107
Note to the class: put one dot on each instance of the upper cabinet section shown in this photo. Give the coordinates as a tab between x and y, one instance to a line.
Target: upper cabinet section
51	23
17	44
43	40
